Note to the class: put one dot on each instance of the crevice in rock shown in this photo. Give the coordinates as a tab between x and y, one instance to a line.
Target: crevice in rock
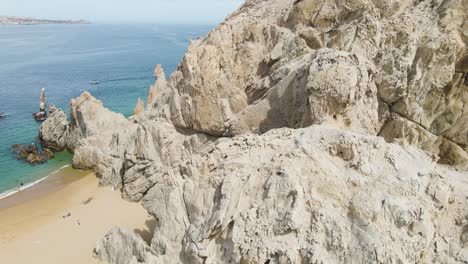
419	125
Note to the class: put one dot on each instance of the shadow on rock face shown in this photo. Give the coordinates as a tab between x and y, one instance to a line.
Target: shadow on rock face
147	234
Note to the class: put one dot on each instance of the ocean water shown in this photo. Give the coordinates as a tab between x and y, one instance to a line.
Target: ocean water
63	59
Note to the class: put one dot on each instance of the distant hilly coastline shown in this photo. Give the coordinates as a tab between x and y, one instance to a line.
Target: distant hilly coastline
11	20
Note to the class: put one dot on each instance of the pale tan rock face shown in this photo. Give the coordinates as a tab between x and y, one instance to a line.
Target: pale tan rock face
139	110
339	87
42	101
254	71
312	195
87	135
156	88
53	132
89	118
297	132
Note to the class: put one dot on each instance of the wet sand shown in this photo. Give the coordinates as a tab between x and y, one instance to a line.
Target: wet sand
33	228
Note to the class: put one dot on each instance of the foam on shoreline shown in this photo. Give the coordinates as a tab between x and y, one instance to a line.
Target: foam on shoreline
29	185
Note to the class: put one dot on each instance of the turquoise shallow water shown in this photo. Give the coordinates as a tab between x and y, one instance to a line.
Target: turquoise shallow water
64	58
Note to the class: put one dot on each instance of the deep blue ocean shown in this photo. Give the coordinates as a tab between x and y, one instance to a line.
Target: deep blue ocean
63	59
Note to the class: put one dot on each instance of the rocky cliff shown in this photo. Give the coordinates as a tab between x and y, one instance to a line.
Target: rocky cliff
295	132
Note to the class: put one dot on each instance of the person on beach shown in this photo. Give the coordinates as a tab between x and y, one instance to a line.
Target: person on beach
20	186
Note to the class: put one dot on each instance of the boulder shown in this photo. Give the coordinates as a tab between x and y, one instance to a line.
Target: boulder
36	159
40	116
52	109
32	154
122	247
53	132
22	151
47	153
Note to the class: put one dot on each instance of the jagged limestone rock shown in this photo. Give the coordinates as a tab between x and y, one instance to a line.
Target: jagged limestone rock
398	128
263	146
89	118
53	132
311	195
52	108
42	114
408	58
122	247
154	90
87	135
139	110
42	101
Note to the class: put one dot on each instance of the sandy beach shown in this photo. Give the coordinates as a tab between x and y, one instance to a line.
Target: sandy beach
33	228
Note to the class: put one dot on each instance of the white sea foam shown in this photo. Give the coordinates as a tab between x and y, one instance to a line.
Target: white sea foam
29	185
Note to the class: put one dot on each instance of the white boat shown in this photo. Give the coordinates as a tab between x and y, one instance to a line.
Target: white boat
93	82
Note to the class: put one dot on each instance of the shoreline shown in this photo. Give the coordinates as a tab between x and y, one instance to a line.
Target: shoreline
42	187
11	192
60	219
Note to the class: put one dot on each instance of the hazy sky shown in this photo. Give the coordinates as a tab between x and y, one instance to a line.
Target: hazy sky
181	11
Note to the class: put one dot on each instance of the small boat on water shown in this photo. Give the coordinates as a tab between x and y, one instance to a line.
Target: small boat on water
94	82
3	115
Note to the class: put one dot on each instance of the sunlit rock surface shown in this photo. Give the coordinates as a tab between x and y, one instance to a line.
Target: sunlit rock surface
295	132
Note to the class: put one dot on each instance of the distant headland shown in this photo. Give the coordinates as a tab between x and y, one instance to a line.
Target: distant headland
11	20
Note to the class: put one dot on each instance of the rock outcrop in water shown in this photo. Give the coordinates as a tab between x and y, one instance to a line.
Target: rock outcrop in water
32	154
53	132
42	114
52	109
91	123
295	132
